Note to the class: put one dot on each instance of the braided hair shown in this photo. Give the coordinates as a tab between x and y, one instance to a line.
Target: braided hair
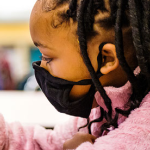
122	14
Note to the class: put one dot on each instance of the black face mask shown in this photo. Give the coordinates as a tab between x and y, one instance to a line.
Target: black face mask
57	91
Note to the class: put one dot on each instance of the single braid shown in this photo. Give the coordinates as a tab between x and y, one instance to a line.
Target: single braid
119	44
146	35
96	120
112	124
146	28
88	120
122	60
135	17
83	47
140	44
141	87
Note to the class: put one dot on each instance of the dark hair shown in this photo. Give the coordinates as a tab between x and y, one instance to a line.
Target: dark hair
123	13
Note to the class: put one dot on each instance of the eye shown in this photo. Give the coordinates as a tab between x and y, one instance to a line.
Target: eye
48	60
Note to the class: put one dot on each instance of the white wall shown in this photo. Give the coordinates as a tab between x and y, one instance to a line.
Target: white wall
29	108
15	10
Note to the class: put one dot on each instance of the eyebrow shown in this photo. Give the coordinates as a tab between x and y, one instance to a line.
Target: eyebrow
38	44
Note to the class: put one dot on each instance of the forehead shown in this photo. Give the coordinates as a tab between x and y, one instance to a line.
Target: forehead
48	5
50	10
39	17
39	23
42	24
41	28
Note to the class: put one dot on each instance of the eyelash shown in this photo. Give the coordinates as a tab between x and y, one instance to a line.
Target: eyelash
48	60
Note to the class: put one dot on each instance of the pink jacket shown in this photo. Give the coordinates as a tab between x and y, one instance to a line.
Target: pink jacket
133	132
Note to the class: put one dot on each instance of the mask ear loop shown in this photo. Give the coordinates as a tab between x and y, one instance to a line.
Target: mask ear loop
99	59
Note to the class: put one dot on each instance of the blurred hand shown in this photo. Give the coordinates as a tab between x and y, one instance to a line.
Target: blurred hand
78	139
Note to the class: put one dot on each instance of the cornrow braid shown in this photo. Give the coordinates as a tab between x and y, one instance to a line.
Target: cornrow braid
72	11
48	5
91	11
98	5
89	18
113	8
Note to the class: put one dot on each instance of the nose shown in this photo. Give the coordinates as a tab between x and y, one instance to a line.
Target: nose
43	65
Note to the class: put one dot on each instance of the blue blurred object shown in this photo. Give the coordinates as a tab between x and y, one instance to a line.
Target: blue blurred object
29	82
34	56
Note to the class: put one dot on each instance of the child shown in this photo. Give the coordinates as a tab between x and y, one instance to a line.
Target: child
90	47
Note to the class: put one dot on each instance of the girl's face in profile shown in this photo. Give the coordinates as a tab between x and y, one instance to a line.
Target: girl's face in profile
60	50
61	53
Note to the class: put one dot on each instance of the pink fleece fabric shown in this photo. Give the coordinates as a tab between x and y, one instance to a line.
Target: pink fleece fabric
133	132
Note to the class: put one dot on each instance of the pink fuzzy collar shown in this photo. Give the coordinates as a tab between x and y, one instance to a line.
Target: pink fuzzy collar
119	97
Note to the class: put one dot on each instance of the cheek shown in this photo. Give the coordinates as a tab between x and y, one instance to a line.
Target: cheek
69	68
69	72
93	51
79	91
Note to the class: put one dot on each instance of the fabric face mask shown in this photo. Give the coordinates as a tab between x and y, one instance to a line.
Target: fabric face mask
57	91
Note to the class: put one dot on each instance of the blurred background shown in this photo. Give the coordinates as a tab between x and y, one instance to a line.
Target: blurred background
20	97
17	51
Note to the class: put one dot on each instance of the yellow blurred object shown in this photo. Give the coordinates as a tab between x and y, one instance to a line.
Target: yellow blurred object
15	34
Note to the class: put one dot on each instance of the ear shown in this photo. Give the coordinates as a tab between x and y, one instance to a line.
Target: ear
109	58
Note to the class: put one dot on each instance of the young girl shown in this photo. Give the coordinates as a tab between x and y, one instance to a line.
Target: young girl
96	67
